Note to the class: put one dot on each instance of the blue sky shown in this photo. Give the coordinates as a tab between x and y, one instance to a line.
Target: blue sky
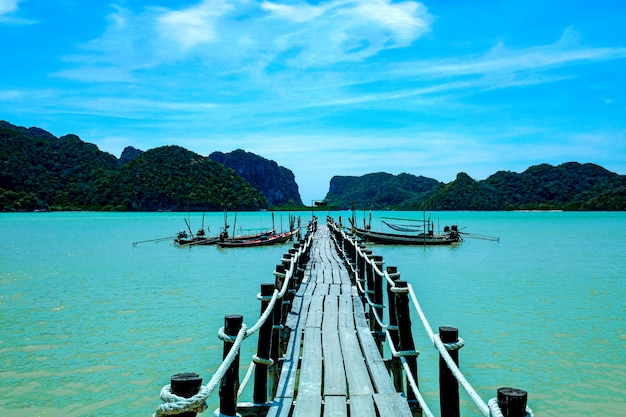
327	88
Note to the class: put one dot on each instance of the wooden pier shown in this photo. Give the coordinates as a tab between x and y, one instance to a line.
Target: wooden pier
333	366
321	342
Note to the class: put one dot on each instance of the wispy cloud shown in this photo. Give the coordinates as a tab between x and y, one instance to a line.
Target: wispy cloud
242	35
8	6
8	13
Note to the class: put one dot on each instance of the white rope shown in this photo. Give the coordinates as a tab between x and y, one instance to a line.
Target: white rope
479	402
246	379
415	389
174	404
443	348
495	411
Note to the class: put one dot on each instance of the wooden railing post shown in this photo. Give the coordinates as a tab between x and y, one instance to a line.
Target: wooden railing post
406	343
377	329
448	385
185	385
277	316
396	366
360	261
229	385
263	348
512	402
368	285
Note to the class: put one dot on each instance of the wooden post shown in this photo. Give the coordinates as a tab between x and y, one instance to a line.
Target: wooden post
448	385
360	261
396	366
263	347
230	383
277	317
406	341
512	402
379	336
185	385
367	280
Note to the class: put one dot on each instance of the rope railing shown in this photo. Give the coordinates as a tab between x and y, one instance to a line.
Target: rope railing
488	409
174	404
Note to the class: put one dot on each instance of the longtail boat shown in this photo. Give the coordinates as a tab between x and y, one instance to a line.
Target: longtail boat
408	234
261	241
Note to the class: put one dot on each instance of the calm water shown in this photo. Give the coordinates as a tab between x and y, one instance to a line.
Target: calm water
91	325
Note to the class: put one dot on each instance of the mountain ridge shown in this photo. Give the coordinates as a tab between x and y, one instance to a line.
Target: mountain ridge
40	171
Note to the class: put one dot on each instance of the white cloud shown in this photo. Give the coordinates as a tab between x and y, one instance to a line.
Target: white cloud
8	6
8	11
247	36
193	26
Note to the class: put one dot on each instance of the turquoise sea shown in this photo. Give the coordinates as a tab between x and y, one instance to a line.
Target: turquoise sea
92	325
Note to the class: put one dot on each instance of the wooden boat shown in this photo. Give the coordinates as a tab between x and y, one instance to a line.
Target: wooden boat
451	235
412	234
261	241
199	239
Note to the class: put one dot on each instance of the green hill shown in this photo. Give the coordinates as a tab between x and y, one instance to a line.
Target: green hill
569	186
40	171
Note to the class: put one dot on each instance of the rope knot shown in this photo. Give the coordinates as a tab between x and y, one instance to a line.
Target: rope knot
280	274
494	409
450	346
404	353
174	404
261	361
266	298
399	290
221	333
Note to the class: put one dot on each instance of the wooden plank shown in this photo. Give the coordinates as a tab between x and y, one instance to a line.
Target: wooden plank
280	409
377	368
344	276
335	406
356	371
334	373
311	364
334	290
392	405
363	406
316	311
346	318
308	405
309	398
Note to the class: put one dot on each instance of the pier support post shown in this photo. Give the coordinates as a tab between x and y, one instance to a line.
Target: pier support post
396	366
448	385
512	402
186	385
277	327
230	383
263	347
406	343
368	284
377	329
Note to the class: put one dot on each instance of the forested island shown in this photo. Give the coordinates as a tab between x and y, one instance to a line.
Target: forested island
42	172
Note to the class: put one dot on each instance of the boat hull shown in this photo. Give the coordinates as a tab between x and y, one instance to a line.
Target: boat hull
400	239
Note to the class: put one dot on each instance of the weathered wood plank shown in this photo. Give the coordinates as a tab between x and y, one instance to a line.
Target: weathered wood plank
392	405
377	368
308	405
316	311
334	373
363	406
356	371
346	315
335	406
309	397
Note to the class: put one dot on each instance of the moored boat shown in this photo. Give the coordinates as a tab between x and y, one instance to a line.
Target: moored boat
448	237
408	234
260	241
